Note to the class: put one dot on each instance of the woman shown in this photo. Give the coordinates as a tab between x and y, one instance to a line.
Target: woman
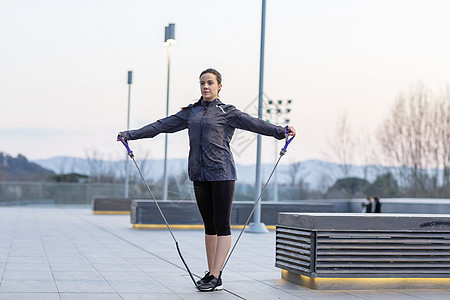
211	125
367	206
377	205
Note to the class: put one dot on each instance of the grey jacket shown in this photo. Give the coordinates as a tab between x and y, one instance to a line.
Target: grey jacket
210	126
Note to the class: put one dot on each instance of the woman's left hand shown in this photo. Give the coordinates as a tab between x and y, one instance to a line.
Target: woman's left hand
291	131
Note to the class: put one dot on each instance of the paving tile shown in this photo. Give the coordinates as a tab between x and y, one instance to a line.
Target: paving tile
67	260
258	290
133	255
27	252
4	250
143	260
216	295
90	296
147	287
111	267
24	259
28	275
325	295
386	294
427	294
156	296
126	276
270	296
27	286
162	266
182	279
21	266
184	287
84	286
79	275
260	276
29	296
71	267
230	276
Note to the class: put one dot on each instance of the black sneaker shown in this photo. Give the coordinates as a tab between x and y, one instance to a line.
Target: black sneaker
204	279
213	284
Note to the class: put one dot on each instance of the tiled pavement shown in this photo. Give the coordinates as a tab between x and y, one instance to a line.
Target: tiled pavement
69	253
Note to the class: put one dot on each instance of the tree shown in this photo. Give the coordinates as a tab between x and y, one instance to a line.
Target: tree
294	171
384	186
443	140
70	177
342	149
406	139
342	145
349	187
299	181
99	169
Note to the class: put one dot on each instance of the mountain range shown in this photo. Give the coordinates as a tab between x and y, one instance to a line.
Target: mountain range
20	169
316	174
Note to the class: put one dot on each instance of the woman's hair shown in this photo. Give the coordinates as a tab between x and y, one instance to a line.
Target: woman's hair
219	81
212	71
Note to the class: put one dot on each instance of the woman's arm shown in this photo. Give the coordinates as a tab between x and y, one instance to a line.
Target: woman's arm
168	124
244	121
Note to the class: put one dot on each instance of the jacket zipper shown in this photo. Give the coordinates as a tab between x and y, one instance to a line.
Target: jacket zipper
202	174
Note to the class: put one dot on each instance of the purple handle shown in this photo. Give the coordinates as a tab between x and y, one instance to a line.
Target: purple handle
286	144
130	153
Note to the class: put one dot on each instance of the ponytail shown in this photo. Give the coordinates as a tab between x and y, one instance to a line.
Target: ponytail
193	105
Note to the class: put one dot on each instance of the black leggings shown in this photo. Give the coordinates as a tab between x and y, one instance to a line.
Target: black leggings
214	200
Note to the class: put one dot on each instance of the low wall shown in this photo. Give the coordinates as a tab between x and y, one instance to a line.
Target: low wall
111	206
415	206
392	205
186	212
334	251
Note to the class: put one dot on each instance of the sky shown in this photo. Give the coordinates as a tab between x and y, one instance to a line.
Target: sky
64	64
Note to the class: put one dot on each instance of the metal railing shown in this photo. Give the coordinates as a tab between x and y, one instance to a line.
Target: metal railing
27	193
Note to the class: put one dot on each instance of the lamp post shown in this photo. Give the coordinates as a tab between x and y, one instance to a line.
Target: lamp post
169	39
278	108
256	226
127	165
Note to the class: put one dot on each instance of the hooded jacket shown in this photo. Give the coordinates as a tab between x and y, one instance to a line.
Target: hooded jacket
211	126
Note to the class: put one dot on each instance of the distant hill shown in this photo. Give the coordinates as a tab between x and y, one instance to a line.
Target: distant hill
316	174
20	169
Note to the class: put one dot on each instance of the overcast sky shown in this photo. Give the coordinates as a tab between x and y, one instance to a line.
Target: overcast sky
64	64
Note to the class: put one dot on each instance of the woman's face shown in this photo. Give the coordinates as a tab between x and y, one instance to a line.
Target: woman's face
209	86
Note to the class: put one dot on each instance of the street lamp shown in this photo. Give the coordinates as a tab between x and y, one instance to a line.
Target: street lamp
127	168
257	226
276	109
169	34
169	39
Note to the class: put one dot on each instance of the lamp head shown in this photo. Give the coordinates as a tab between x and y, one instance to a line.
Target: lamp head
169	34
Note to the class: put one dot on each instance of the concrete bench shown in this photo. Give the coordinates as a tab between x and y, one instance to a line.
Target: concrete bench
184	214
111	206
364	251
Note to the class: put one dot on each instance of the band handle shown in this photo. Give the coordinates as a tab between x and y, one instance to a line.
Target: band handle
130	153
288	140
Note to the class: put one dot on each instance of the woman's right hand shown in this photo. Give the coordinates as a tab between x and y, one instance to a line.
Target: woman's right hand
291	131
120	135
